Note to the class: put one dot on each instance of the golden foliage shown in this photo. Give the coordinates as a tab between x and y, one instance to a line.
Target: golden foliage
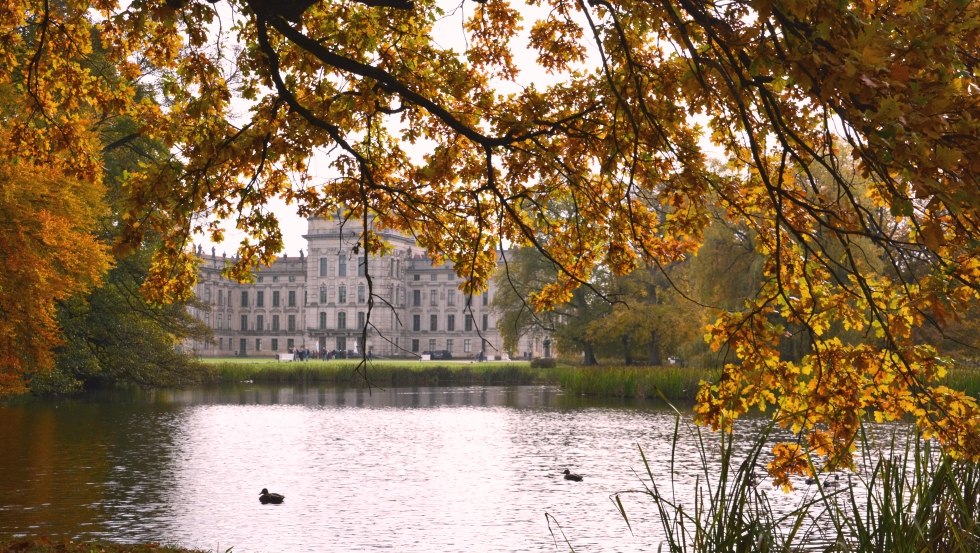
603	165
49	252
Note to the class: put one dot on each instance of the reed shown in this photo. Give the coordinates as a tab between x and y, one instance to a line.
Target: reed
381	373
906	496
964	378
677	384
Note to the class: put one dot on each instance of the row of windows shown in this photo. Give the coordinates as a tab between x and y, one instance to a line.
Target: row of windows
467	345
260	323
342	266
450	298
259	298
361	320
290	344
450	323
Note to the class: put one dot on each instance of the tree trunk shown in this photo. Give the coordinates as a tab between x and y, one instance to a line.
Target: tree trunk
589	358
627	350
653	350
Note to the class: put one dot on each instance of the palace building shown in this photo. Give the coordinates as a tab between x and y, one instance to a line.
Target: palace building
319	302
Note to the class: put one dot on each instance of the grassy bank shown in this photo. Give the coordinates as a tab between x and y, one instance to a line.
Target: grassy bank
677	384
377	372
673	383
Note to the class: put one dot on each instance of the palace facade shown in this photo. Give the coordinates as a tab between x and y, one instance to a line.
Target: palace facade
319	301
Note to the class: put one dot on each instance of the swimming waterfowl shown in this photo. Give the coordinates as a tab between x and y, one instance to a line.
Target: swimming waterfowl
266	497
573	477
828	483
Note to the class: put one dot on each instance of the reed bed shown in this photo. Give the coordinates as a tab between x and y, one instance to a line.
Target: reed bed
379	372
671	383
905	496
677	384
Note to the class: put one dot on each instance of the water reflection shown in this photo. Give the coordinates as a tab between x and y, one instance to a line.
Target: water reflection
408	469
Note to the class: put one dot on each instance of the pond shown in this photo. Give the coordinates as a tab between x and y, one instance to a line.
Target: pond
402	469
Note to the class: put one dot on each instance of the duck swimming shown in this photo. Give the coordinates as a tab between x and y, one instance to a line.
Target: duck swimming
266	497
573	477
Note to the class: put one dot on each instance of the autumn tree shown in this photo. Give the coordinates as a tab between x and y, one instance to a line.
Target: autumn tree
594	151
524	273
49	253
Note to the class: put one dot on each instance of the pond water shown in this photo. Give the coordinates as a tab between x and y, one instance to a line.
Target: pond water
402	469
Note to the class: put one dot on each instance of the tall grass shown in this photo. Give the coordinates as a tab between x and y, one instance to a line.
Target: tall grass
379	373
906	496
678	384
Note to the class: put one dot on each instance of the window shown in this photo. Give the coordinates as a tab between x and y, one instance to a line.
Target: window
258	344
342	320
275	344
290	344
291	323
342	266
291	298
341	343
433	322
416	298
323	294
432	277
259	322
244	322
323	266
275	298
244	298
342	294
275	279
486	298
221	297
432	344
415	346
467	345
486	319
292	278
450	323
450	297
361	319
260	299
361	293
433	298
469	323
260	279
416	277
221	344
416	323
323	319
360	268
275	324
449	345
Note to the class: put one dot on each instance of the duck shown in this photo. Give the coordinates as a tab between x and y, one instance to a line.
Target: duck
571	476
828	483
266	497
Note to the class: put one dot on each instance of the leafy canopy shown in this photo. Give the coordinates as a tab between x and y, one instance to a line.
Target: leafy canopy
598	156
